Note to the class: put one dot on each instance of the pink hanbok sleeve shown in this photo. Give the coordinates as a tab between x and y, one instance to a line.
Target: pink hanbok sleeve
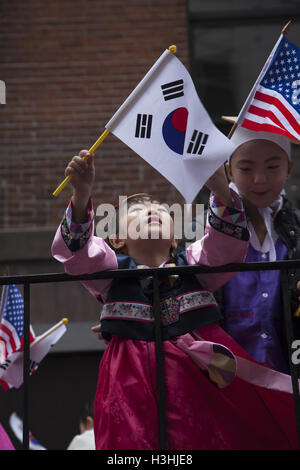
76	247
225	241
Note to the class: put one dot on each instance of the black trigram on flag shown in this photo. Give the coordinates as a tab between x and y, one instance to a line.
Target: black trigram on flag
143	125
172	90
197	143
5	365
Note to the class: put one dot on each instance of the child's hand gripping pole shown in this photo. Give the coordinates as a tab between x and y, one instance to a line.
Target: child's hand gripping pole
92	149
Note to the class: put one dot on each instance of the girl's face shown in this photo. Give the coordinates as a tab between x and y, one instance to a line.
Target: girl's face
259	169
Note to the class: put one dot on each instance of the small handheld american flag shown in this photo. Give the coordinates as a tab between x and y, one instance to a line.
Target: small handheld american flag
274	102
12	322
12	339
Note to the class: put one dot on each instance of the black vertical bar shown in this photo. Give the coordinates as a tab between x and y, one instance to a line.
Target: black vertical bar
201	149
149	126
290	337
138	125
196	146
160	369
26	365
204	139
143	125
190	148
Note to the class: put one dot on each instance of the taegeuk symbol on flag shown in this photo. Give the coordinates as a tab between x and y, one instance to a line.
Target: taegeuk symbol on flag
164	121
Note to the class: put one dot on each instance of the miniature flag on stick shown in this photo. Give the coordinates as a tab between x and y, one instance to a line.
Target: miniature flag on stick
12	339
12	322
273	104
164	121
11	371
16	425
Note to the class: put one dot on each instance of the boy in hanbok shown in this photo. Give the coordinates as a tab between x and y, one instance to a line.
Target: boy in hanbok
252	301
216	396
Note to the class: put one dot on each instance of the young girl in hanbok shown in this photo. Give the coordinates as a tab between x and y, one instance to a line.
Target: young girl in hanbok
259	169
216	396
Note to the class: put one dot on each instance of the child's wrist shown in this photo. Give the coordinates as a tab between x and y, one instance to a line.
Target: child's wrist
80	203
82	194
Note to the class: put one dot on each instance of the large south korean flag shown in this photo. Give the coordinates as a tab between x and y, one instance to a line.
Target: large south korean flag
164	121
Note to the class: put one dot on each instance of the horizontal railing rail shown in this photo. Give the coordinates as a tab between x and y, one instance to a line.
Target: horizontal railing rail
156	274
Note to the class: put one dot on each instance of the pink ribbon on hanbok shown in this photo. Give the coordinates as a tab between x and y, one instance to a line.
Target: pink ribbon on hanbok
222	365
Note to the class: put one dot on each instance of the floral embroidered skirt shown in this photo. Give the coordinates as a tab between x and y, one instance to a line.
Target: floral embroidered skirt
199	414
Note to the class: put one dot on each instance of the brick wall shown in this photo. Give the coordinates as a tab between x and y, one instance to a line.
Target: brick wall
67	66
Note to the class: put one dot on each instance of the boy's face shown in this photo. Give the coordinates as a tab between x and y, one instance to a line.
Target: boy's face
259	169
141	221
148	220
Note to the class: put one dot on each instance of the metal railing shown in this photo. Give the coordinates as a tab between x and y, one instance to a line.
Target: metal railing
156	274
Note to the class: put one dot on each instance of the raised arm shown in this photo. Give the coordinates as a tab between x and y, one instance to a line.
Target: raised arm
82	169
75	245
218	185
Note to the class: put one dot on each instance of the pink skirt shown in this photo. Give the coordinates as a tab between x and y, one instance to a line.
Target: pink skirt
199	415
5	442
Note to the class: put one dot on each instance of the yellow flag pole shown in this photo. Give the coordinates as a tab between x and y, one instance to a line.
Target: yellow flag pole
91	150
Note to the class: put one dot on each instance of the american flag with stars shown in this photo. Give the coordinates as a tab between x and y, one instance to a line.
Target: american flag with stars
274	102
12	322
